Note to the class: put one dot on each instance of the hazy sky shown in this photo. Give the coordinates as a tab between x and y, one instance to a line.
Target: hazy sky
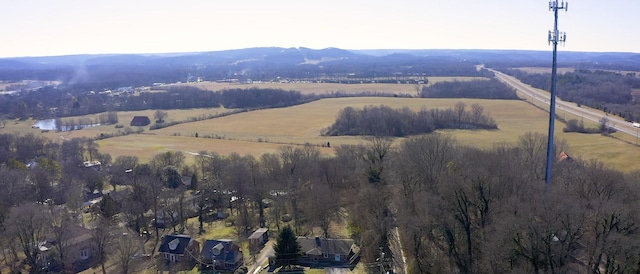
60	27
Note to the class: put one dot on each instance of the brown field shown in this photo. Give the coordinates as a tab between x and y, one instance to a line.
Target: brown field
328	88
264	131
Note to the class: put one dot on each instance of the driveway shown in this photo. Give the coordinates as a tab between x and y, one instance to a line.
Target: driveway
262	258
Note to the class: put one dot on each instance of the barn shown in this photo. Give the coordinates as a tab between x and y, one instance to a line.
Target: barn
140	121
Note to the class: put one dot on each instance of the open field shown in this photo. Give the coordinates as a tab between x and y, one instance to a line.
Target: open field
26	84
264	131
328	88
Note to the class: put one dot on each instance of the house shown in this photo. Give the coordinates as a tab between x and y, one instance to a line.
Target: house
176	248
221	254
79	248
95	165
140	121
325	251
258	238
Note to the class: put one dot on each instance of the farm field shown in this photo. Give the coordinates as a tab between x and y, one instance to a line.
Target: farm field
264	131
329	88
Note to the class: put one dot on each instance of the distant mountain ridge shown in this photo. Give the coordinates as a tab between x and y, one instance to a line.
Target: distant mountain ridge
270	62
298	55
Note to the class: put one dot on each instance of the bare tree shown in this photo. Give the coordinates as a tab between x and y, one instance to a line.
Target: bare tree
605	125
60	229
169	158
28	224
375	156
126	245
101	237
160	115
459	110
477	113
321	207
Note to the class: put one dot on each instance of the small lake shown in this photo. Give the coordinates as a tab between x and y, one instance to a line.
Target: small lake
50	124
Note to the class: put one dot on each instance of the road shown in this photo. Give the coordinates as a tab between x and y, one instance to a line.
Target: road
541	96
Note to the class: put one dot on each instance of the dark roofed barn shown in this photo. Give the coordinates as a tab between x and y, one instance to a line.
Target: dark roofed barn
140	121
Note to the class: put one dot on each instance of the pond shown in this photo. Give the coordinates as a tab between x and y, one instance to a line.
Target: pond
50	124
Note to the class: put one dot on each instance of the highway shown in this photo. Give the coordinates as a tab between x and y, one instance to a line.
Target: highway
541	96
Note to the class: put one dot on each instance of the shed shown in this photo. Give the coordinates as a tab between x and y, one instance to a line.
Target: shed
258	238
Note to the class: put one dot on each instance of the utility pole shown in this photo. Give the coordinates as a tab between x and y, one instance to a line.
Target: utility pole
554	37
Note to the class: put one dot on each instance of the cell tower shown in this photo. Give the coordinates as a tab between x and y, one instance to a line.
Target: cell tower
555	37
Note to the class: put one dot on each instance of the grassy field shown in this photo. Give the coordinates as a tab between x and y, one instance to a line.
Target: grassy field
328	88
264	131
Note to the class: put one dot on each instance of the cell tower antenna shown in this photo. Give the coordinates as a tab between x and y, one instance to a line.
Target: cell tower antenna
555	37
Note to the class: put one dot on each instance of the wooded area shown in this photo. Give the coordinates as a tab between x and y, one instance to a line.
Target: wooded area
459	209
385	121
608	91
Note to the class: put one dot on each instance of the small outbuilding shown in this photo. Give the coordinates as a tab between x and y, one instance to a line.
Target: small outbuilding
258	238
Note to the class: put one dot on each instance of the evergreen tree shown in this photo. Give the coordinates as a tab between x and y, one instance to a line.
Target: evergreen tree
287	248
194	182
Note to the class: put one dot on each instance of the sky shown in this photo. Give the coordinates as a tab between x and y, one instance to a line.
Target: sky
64	27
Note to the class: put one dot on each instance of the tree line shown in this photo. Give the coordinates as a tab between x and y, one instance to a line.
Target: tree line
50	102
484	89
385	121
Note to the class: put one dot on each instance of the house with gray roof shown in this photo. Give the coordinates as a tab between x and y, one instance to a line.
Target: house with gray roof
326	251
175	248
221	255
